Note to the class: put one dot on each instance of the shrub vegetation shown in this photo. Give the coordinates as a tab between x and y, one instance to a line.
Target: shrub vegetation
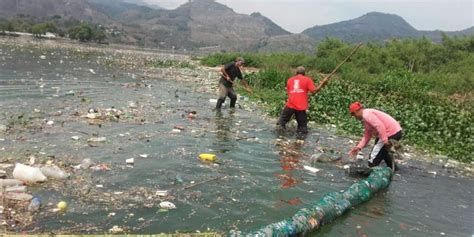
428	87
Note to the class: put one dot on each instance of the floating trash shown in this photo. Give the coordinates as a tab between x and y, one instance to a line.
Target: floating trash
130	161
28	174
207	157
97	139
162	193
167	205
311	169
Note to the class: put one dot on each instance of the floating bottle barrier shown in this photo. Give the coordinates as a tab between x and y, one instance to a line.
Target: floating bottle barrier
328	208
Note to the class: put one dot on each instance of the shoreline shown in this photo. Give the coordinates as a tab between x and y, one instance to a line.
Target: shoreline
204	80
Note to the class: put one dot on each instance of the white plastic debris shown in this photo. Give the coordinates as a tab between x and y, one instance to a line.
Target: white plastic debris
54	172
86	163
132	104
75	138
311	169
16	189
91	116
28	174
18	196
116	229
432	172
92	71
32	160
10	182
167	205
130	161
162	193
43	57
143	155
97	139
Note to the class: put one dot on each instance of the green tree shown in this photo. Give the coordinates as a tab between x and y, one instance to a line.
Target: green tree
82	32
40	29
99	34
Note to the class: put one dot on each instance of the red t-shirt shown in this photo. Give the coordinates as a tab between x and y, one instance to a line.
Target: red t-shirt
297	88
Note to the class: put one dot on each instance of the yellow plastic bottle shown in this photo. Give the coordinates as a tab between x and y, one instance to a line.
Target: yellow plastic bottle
208	157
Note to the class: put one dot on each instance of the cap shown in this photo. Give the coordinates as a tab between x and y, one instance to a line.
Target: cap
300	70
242	60
355	107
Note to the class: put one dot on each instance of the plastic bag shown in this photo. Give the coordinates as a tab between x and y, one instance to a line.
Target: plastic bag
28	174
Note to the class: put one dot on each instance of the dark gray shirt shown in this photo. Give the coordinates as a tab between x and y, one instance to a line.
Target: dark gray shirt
233	72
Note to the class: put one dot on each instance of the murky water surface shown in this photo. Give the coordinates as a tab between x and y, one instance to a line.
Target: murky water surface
255	182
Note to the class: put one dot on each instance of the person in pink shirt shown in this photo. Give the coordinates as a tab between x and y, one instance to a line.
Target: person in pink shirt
379	124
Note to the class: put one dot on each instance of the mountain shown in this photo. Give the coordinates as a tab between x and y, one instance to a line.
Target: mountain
376	27
143	3
205	25
42	9
287	43
372	26
208	23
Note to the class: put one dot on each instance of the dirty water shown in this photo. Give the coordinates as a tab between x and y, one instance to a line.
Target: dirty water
256	180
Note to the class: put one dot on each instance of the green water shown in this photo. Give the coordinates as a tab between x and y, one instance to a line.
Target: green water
255	182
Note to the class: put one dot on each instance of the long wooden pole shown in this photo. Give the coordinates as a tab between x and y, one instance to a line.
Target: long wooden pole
342	63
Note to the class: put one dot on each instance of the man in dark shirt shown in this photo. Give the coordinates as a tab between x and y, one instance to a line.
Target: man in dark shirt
229	72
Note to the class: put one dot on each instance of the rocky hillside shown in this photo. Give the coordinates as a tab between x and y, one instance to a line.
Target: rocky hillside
43	9
376	27
204	25
372	26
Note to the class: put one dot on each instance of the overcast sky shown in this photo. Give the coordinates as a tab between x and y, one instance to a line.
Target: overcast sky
297	15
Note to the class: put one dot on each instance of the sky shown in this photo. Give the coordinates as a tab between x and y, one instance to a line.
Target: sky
298	15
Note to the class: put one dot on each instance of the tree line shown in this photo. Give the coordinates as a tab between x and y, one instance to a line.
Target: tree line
76	30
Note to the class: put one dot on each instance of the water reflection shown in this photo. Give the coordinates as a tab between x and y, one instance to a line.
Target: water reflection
290	156
224	134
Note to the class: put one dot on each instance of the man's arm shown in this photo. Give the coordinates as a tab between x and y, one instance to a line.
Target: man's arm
225	75
362	143
246	85
321	84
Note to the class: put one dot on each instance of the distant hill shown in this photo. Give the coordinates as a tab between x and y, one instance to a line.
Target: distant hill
205	25
194	25
372	26
375	27
67	9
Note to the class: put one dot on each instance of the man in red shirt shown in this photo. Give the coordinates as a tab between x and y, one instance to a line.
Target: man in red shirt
297	89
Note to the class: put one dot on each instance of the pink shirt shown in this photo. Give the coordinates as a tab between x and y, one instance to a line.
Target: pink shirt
377	123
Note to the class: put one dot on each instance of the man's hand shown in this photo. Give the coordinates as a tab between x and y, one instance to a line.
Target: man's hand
354	151
249	89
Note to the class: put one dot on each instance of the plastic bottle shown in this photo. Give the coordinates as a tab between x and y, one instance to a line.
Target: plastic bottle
28	174
86	163
10	182
35	204
207	157
54	172
17	189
